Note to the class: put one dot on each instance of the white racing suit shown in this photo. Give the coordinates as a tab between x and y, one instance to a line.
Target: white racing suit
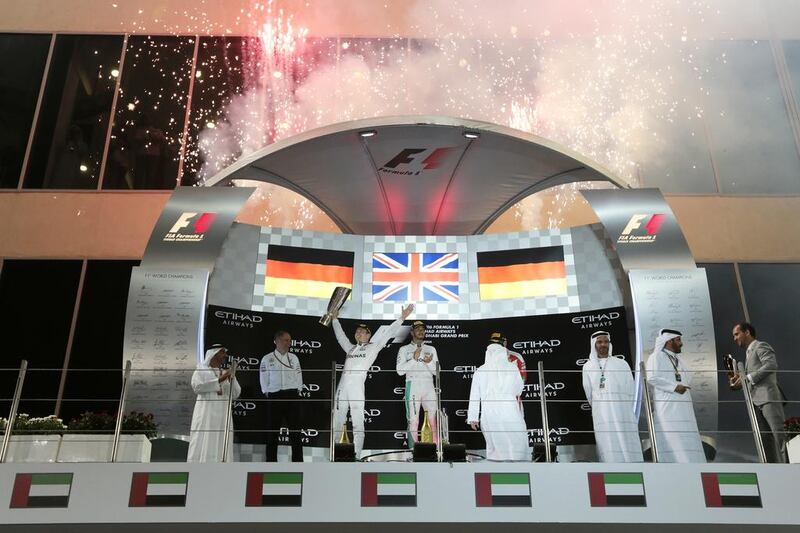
350	392
419	386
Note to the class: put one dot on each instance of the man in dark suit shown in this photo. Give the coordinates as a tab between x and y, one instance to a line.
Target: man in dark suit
761	372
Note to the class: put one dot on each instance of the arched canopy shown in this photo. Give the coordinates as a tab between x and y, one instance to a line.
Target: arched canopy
414	175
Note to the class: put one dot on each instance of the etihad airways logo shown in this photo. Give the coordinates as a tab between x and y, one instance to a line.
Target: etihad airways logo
537	346
596	321
190	227
633	230
533	390
304	346
239	320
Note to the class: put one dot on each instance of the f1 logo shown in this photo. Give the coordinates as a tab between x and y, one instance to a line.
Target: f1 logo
408	156
200	226
404	157
652	226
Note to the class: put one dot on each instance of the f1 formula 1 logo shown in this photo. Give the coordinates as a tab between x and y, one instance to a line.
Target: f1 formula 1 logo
411	162
190	229
633	230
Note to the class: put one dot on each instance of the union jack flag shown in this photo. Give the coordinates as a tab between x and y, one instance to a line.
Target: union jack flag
415	277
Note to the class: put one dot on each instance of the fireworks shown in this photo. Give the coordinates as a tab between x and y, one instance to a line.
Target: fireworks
609	92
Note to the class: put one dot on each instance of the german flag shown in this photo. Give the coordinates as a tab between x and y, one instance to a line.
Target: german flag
523	273
309	272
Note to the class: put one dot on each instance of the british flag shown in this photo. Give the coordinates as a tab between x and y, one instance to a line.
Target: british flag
423	277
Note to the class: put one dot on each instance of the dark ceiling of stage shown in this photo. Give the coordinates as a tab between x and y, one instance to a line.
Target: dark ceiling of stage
414	175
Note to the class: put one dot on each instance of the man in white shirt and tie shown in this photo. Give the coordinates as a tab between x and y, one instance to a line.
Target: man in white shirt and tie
282	382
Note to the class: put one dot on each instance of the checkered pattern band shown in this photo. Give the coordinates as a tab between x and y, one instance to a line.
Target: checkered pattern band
594	274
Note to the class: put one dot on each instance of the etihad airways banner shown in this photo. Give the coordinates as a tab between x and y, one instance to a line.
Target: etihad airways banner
560	341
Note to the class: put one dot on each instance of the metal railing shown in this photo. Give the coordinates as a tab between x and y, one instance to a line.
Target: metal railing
447	430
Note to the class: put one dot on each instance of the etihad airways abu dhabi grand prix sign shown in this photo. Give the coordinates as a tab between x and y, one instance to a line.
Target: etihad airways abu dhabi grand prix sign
561	342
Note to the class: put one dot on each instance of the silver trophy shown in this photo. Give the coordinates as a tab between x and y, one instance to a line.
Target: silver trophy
336	302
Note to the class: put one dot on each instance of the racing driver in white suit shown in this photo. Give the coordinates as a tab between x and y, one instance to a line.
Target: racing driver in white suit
360	356
417	362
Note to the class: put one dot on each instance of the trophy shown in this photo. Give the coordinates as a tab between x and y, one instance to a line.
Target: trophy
336	302
730	365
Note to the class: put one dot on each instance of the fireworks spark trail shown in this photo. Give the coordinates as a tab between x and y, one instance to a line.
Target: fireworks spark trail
611	91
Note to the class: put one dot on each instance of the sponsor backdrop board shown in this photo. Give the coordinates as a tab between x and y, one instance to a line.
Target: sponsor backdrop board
275	497
163	340
679	299
560	341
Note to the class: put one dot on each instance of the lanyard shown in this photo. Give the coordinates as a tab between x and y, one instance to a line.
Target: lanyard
281	362
674	361
602	372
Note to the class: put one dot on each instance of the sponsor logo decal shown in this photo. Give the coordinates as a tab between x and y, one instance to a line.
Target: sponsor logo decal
410	161
190	227
239	320
537	347
637	230
531	390
596	321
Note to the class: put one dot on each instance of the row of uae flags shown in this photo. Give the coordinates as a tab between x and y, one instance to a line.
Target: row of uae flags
419	277
383	489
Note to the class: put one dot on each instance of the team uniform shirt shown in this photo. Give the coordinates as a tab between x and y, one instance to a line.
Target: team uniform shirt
350	391
417	370
420	391
280	372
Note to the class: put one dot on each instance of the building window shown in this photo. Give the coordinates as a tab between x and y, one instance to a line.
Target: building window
151	109
73	120
95	367
22	60
38	303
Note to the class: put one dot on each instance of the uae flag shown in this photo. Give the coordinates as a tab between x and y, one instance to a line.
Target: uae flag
309	272
274	489
41	490
617	489
731	490
503	490
524	273
388	489
158	489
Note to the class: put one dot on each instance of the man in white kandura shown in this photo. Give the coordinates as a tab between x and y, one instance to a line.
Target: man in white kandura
495	388
417	361
609	387
670	380
360	356
213	388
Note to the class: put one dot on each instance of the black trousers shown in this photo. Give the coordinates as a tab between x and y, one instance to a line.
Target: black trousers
283	412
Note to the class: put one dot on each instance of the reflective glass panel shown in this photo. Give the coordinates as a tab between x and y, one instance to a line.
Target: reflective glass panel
149	119
38	300
22	60
73	120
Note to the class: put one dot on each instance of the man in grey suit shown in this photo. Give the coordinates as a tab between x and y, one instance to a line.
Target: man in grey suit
761	372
